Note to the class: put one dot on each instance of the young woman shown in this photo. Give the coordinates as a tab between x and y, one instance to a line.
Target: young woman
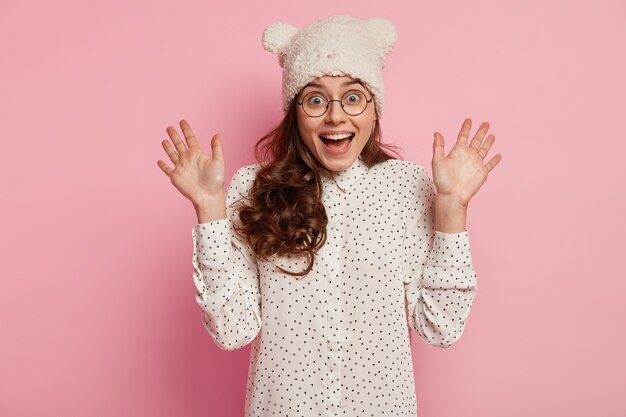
328	251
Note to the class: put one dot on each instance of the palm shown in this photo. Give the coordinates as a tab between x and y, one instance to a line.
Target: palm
461	174
195	174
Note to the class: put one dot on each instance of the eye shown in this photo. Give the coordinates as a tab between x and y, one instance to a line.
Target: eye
353	97
315	100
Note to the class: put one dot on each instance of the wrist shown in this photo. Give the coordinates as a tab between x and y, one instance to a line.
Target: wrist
210	208
207	200
450	202
450	215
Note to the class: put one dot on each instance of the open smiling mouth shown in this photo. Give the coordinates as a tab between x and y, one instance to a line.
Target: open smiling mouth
337	142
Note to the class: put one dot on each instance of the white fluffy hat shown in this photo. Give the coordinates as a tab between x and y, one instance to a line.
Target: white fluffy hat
339	45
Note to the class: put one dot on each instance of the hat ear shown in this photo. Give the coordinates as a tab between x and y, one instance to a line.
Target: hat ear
277	35
383	32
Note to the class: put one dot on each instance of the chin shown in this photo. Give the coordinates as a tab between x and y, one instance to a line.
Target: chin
338	166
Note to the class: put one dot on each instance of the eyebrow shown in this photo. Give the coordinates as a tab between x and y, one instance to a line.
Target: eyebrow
342	84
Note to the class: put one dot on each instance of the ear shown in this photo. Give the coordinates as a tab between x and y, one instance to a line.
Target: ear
383	32
277	35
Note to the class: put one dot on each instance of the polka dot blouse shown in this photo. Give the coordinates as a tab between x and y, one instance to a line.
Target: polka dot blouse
336	342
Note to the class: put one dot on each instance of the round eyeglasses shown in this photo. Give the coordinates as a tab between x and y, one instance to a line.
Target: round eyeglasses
353	103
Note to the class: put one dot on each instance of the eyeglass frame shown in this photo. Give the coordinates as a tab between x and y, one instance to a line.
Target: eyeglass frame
340	102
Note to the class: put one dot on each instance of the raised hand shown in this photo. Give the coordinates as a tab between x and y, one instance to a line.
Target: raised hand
197	176
459	175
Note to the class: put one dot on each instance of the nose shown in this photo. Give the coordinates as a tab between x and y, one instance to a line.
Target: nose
335	112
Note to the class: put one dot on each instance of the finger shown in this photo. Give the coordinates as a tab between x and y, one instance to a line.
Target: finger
494	161
486	146
216	147
464	133
178	143
189	135
480	134
438	147
164	167
170	151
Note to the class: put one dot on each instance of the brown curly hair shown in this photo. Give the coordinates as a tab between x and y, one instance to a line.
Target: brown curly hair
283	213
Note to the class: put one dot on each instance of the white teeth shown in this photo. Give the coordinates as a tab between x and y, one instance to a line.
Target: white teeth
338	137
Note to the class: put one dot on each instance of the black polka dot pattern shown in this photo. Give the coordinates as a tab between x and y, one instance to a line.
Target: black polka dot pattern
336	342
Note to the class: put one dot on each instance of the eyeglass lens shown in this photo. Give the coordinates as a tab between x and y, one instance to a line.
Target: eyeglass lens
316	104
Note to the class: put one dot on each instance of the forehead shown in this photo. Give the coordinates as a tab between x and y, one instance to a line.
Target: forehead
334	82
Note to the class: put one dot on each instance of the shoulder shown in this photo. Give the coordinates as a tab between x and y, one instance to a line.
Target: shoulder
408	181
246	174
401	171
242	181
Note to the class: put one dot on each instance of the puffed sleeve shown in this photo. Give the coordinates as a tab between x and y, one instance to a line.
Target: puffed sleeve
226	274
439	278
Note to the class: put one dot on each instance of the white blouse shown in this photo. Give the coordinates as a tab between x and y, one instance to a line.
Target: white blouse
336	342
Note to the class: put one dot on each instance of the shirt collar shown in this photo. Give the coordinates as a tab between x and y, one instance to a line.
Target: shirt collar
345	179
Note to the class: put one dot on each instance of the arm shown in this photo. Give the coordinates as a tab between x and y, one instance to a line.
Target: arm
440	282
439	279
225	272
226	276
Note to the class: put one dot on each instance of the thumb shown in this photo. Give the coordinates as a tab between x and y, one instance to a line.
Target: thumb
438	145
216	147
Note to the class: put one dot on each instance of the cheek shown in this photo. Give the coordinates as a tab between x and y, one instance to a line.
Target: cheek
307	130
306	125
367	126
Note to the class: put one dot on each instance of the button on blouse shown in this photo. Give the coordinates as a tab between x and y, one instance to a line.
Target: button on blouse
336	342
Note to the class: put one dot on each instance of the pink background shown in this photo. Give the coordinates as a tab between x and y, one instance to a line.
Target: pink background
97	310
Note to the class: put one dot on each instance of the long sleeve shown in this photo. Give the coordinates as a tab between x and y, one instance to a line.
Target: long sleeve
439	278
226	275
